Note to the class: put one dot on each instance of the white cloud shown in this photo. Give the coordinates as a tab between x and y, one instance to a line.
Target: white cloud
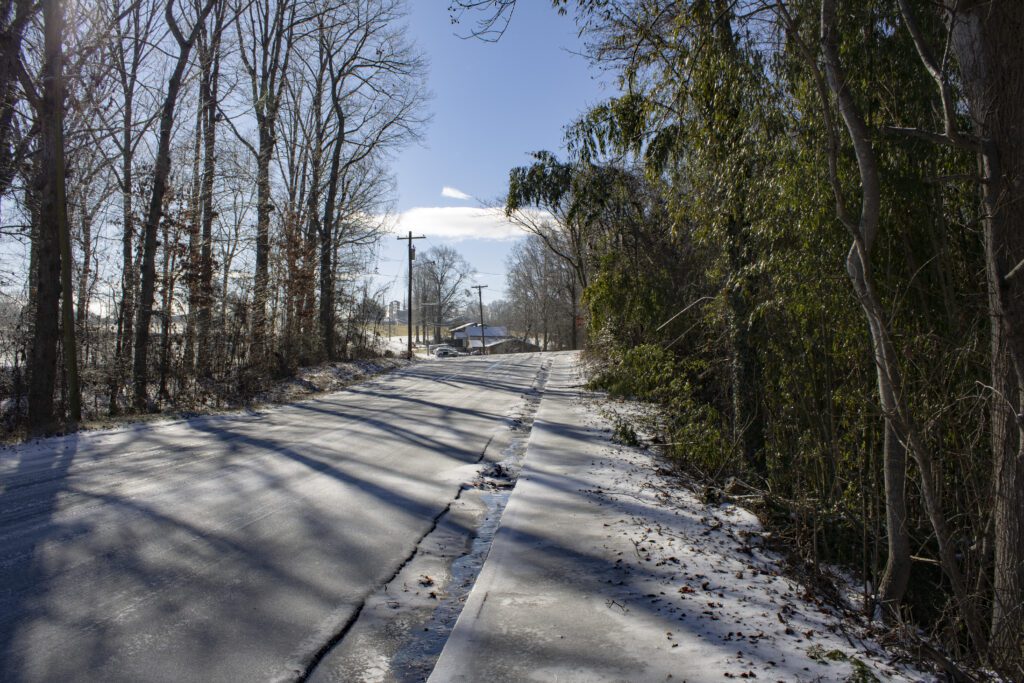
458	223
453	193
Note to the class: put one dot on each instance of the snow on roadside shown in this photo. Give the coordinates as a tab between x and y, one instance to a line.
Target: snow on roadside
703	566
307	382
327	377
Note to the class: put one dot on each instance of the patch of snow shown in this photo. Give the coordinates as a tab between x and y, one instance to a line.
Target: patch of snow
704	565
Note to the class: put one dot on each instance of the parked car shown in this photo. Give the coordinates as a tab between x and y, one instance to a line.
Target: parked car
445	352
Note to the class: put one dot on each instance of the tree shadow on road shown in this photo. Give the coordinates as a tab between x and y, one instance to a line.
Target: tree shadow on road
28	504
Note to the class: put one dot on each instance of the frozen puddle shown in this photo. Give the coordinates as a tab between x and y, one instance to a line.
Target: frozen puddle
403	626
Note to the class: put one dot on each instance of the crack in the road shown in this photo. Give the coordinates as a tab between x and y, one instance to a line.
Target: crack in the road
417	648
319	655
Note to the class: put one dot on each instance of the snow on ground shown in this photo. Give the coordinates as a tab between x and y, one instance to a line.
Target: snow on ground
327	377
396	345
400	346
604	569
703	564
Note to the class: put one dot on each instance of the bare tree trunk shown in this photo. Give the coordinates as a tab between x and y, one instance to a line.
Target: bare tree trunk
209	88
85	272
266	60
54	276
128	64
123	349
314	226
162	169
192	263
863	228
53	102
15	16
166	313
43	350
263	208
986	41
327	253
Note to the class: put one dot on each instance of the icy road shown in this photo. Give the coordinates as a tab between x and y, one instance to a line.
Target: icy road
233	547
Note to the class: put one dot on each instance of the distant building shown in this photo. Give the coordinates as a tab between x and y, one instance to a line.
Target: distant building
471	332
400	316
508	345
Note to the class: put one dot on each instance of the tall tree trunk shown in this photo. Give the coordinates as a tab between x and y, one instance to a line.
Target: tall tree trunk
43	351
264	206
864	228
128	62
314	226
54	253
53	103
192	262
327	241
166	313
209	88
161	170
126	314
987	44
84	273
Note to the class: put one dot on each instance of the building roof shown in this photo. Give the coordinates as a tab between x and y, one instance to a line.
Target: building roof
472	330
458	328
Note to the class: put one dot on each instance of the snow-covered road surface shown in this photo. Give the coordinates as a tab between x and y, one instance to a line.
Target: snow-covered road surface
233	548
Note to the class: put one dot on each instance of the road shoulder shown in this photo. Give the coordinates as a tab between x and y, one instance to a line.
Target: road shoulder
602	571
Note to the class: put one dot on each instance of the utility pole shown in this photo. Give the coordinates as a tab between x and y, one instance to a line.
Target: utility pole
412	257
483	334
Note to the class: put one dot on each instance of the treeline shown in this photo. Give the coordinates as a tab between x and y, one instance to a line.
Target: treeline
542	302
798	228
191	191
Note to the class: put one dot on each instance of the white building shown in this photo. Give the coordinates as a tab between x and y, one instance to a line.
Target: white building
470	332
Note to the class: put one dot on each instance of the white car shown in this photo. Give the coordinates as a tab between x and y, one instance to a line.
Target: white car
445	352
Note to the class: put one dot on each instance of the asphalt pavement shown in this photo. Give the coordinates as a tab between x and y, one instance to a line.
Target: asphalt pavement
233	548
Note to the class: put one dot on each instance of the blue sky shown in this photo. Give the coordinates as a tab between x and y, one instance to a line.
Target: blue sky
493	104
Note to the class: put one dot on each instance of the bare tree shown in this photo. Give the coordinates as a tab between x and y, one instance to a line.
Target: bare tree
131	43
209	89
446	274
185	43
15	17
267	35
376	91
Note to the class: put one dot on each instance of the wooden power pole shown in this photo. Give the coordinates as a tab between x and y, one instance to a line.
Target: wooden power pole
483	334
412	257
